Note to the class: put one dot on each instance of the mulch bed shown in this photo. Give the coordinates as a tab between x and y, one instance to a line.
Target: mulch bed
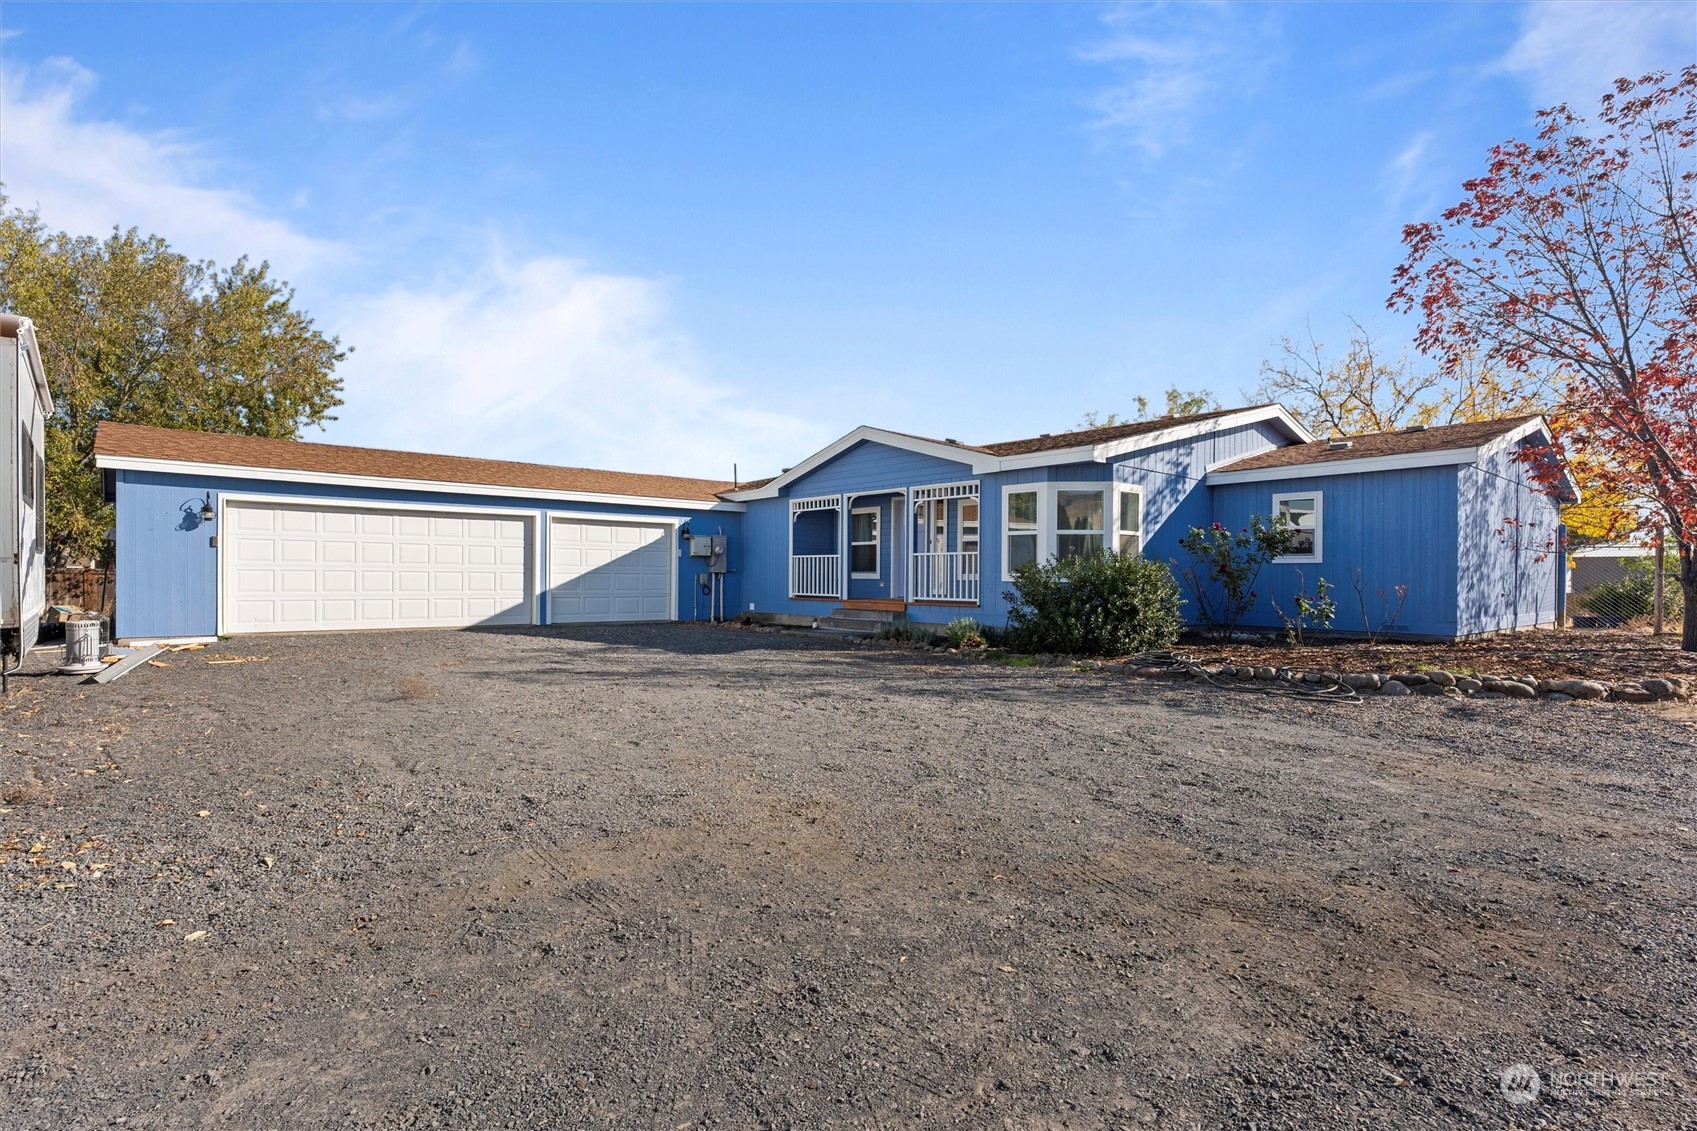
1544	654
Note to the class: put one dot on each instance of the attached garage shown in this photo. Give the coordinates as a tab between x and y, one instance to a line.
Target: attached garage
601	570
229	535
291	567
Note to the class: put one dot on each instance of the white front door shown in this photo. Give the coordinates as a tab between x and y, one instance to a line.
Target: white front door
297	567
603	570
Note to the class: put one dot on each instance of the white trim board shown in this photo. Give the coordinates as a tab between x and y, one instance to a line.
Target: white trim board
384	483
983	463
1362	466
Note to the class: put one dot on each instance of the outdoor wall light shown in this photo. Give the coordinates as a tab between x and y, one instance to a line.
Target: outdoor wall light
207	514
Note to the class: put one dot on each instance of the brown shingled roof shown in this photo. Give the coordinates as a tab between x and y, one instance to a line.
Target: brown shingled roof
1442	438
1088	436
141	442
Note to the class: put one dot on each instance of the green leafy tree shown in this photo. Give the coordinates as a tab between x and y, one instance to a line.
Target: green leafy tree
134	332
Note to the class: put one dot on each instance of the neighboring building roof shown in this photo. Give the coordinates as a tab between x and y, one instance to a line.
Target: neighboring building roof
1448	437
1084	446
135	445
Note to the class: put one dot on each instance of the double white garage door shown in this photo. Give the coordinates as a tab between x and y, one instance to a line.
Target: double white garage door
300	568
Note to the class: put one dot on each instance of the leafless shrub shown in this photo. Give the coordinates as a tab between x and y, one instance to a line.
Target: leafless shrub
26	794
411	687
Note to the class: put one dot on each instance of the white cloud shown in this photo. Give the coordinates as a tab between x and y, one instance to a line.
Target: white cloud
1573	52
549	361
361	108
1173	61
539	359
86	176
1403	171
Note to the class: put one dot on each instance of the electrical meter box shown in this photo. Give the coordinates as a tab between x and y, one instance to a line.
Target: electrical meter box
701	546
717	553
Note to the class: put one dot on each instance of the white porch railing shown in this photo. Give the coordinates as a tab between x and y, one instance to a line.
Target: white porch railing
945	577
816	575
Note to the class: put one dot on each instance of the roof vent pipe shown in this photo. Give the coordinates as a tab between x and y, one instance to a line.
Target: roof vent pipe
1340	445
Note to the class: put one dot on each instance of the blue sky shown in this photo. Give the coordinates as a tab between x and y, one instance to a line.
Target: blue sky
668	237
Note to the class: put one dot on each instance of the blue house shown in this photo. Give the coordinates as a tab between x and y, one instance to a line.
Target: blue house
1439	532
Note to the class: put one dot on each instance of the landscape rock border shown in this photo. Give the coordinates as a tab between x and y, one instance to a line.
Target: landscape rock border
1435	682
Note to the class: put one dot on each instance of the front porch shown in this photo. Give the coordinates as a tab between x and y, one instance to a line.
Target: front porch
898	546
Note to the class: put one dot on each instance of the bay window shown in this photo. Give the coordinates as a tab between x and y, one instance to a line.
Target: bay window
1021	528
1130	521
1078	523
1044	521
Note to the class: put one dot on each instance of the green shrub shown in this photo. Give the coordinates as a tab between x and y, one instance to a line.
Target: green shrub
1634	596
963	632
1223	568
1097	605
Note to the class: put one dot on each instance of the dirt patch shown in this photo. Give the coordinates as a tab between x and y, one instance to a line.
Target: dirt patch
681	877
1544	654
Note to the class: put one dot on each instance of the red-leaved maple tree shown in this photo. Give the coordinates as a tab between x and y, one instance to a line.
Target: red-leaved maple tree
1573	261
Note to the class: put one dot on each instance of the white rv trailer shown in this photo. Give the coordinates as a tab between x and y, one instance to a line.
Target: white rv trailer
25	401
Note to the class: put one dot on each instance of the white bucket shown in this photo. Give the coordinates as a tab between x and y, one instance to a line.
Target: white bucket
82	647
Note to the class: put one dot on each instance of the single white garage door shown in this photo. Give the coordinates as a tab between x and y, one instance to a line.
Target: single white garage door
300	568
609	571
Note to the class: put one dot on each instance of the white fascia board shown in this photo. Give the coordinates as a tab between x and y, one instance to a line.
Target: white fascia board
980	462
386	483
983	463
1568	488
1514	436
1054	457
1345	467
1115	448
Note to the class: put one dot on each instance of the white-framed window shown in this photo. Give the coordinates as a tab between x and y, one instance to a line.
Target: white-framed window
864	530
1080	521
1019	528
1305	513
969	526
1041	521
1128	519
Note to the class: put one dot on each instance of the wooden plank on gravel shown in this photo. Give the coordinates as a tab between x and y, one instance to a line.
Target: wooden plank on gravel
129	663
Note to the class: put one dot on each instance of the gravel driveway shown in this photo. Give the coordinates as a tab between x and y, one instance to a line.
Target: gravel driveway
680	877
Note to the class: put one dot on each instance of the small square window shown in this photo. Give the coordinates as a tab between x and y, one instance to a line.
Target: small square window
1302	515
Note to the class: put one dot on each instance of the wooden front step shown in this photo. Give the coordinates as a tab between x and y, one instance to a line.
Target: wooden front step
877	604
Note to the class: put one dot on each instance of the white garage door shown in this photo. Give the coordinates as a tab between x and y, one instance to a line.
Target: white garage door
293	568
608	571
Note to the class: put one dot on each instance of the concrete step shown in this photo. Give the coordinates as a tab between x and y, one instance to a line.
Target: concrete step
863	626
882	616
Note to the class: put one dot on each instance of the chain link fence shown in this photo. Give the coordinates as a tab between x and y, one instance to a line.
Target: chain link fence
1620	592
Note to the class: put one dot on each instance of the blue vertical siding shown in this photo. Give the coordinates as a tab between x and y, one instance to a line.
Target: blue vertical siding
1394	527
1171	477
869	469
167	581
1508	548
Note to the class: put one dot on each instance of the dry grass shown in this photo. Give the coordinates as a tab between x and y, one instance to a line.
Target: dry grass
25	794
411	687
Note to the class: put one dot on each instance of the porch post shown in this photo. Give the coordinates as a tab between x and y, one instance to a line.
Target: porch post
843	547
